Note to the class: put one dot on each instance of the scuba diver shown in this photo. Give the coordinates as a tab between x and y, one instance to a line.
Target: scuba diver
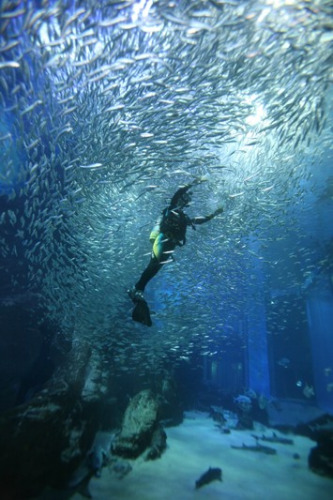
167	234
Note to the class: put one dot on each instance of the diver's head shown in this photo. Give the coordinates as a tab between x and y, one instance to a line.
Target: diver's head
185	199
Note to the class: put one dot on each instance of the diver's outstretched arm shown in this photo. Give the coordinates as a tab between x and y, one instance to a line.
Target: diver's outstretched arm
202	220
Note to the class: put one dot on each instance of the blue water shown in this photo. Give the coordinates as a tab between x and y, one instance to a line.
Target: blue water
101	122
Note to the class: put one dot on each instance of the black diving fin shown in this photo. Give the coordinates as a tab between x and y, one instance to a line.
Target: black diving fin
141	313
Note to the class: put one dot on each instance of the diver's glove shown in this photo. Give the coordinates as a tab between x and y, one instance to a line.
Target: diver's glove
198	180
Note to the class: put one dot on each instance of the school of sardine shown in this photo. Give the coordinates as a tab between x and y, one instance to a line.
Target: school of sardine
107	107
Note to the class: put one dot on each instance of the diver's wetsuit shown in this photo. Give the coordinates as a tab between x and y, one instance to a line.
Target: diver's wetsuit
171	233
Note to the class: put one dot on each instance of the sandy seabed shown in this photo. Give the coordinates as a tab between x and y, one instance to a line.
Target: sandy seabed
198	444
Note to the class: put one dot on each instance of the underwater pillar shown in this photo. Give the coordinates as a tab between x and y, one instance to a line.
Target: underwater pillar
258	378
257	353
320	321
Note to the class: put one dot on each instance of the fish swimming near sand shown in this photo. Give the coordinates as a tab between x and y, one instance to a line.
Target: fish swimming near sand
267	450
274	439
212	474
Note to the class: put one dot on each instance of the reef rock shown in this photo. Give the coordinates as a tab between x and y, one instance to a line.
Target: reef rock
320	459
43	441
139	423
157	445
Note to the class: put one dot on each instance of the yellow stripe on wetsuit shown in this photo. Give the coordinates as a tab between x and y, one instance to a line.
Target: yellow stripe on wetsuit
157	239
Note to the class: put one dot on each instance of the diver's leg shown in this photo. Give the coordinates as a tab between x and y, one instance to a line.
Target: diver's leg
151	270
160	255
154	265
